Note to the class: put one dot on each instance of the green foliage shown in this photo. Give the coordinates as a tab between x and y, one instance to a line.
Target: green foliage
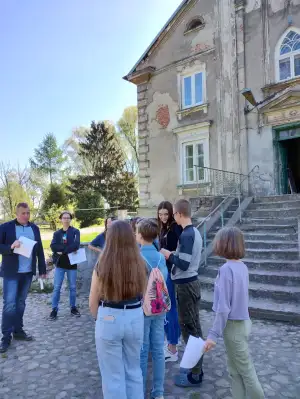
48	157
11	191
108	177
52	216
87	200
71	147
127	131
56	194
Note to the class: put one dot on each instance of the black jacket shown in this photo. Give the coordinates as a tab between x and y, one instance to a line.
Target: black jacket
168	239
57	245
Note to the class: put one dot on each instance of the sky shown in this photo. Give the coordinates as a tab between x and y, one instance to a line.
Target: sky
62	63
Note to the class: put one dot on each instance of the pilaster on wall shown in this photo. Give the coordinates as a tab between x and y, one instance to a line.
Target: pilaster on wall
227	86
143	135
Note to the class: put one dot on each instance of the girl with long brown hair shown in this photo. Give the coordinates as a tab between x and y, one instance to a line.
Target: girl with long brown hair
118	284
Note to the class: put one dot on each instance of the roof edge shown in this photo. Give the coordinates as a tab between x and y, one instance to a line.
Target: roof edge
173	16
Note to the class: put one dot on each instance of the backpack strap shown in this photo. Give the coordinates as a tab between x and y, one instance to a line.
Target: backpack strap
160	257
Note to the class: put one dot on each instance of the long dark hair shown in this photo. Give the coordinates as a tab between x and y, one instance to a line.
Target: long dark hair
120	268
169	207
113	218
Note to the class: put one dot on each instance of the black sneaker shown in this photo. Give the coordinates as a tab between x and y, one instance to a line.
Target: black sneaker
22	336
53	314
4	346
75	312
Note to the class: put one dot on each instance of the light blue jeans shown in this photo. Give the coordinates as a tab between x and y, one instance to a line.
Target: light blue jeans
154	337
119	338
58	280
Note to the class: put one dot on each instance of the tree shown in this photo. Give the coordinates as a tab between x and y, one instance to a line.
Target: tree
48	157
127	131
56	194
11	191
71	148
86	204
107	178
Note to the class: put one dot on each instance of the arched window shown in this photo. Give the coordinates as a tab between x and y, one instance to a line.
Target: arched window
195	23
288	56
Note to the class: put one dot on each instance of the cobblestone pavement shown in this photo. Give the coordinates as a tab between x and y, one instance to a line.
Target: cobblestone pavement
61	362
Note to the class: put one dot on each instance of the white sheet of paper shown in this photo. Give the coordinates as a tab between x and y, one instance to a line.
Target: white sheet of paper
193	352
26	247
78	257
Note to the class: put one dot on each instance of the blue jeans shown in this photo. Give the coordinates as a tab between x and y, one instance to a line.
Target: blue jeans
119	338
172	328
154	341
58	280
15	291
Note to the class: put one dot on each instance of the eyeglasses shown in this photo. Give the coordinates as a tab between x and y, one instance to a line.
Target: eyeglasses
175	213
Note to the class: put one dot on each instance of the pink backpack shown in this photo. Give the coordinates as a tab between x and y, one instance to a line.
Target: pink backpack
156	300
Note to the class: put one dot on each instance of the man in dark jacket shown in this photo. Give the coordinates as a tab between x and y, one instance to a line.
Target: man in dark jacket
64	242
17	271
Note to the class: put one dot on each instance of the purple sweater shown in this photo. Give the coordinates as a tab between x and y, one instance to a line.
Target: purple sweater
230	297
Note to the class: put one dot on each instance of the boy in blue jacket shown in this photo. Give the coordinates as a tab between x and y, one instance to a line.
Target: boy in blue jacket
154	335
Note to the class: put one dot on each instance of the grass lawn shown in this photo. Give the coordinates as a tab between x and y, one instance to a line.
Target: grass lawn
83	238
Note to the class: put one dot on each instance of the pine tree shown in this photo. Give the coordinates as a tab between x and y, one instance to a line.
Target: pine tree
108	177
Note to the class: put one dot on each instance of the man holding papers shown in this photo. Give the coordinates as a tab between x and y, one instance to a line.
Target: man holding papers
20	247
65	241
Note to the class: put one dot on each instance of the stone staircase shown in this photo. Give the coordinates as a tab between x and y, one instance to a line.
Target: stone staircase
270	227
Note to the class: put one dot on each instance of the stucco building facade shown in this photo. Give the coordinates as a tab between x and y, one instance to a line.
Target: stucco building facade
191	108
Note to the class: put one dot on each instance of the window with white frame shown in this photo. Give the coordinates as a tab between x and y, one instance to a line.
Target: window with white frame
288	56
193	161
193	89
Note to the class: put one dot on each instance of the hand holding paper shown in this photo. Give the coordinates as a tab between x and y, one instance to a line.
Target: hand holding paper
193	352
77	257
25	248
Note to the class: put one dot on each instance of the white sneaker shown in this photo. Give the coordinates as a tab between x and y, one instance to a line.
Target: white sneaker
169	356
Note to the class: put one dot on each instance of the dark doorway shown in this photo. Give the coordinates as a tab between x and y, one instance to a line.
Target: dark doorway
290	156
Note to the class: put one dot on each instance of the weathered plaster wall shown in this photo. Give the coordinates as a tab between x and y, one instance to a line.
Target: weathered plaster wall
265	22
159	102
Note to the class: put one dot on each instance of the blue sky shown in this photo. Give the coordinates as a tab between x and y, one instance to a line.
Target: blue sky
62	63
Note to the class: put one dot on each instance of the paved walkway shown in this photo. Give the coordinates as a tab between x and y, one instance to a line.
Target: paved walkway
61	362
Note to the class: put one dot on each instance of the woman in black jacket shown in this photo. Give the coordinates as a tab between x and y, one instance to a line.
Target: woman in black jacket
168	239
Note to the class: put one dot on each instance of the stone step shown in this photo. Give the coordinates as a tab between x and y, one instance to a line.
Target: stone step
278	198
259	308
261	264
267	244
267	228
286	221
260	290
291	253
261	276
272	213
265	236
284	205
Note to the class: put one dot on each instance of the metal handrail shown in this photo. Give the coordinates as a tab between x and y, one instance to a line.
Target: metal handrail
203	222
219	170
226	198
